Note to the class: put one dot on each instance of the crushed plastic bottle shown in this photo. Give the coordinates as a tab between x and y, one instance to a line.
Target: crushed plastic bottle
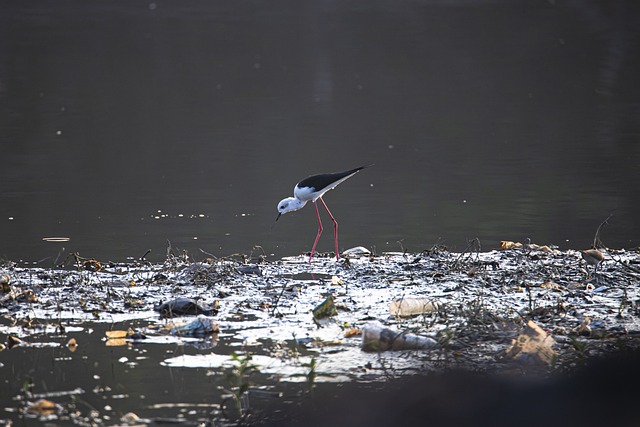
199	327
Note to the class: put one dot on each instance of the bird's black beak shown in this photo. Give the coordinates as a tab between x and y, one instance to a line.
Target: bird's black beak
278	217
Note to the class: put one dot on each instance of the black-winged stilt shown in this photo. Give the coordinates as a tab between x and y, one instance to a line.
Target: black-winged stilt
312	189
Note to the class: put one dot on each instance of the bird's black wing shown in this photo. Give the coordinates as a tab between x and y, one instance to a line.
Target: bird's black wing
319	182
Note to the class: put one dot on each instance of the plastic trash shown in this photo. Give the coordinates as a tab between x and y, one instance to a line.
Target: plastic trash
357	251
532	346
186	307
199	327
405	307
375	337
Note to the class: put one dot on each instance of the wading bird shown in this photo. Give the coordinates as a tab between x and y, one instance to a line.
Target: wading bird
592	257
312	189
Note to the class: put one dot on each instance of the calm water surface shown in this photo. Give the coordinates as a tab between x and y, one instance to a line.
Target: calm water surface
127	124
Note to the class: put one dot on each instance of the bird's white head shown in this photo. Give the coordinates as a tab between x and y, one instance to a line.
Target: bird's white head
289	204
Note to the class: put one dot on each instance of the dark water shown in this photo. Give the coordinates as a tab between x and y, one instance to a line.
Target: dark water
113	381
497	120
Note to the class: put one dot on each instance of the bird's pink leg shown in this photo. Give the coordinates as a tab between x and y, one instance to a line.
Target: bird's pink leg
335	228
319	231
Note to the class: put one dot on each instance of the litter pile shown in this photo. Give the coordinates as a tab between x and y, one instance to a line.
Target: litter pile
364	317
466	308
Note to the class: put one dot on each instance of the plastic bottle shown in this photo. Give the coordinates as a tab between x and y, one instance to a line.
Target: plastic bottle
405	307
375	337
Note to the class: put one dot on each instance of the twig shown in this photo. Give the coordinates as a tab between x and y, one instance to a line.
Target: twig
142	258
472	246
275	305
635	270
169	250
207	253
597	243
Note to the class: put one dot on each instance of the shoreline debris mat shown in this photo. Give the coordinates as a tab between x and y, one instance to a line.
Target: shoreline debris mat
520	309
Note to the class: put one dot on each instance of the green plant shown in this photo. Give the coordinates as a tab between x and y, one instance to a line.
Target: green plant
238	380
312	374
581	348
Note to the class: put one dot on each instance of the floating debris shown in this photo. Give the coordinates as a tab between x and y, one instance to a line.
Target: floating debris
471	304
92	265
406	307
185	307
199	327
4	282
43	407
326	308
56	239
375	337
532	346
130	418
506	244
249	269
356	252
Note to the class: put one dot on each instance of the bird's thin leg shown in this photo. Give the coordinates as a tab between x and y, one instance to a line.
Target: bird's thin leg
313	249
335	228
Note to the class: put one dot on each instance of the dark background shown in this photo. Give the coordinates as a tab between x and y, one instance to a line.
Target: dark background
489	119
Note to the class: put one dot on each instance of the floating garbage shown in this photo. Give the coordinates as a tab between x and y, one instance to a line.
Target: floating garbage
507	244
185	307
118	338
357	251
4	282
199	327
43	407
130	418
405	307
375	337
584	328
249	269
326	308
532	346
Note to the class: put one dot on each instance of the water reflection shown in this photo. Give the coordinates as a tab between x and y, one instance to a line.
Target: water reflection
488	120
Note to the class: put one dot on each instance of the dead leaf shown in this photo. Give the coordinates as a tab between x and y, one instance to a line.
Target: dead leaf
552	285
506	244
92	265
352	332
583	328
116	342
129	418
43	407
72	344
4	283
13	341
116	334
